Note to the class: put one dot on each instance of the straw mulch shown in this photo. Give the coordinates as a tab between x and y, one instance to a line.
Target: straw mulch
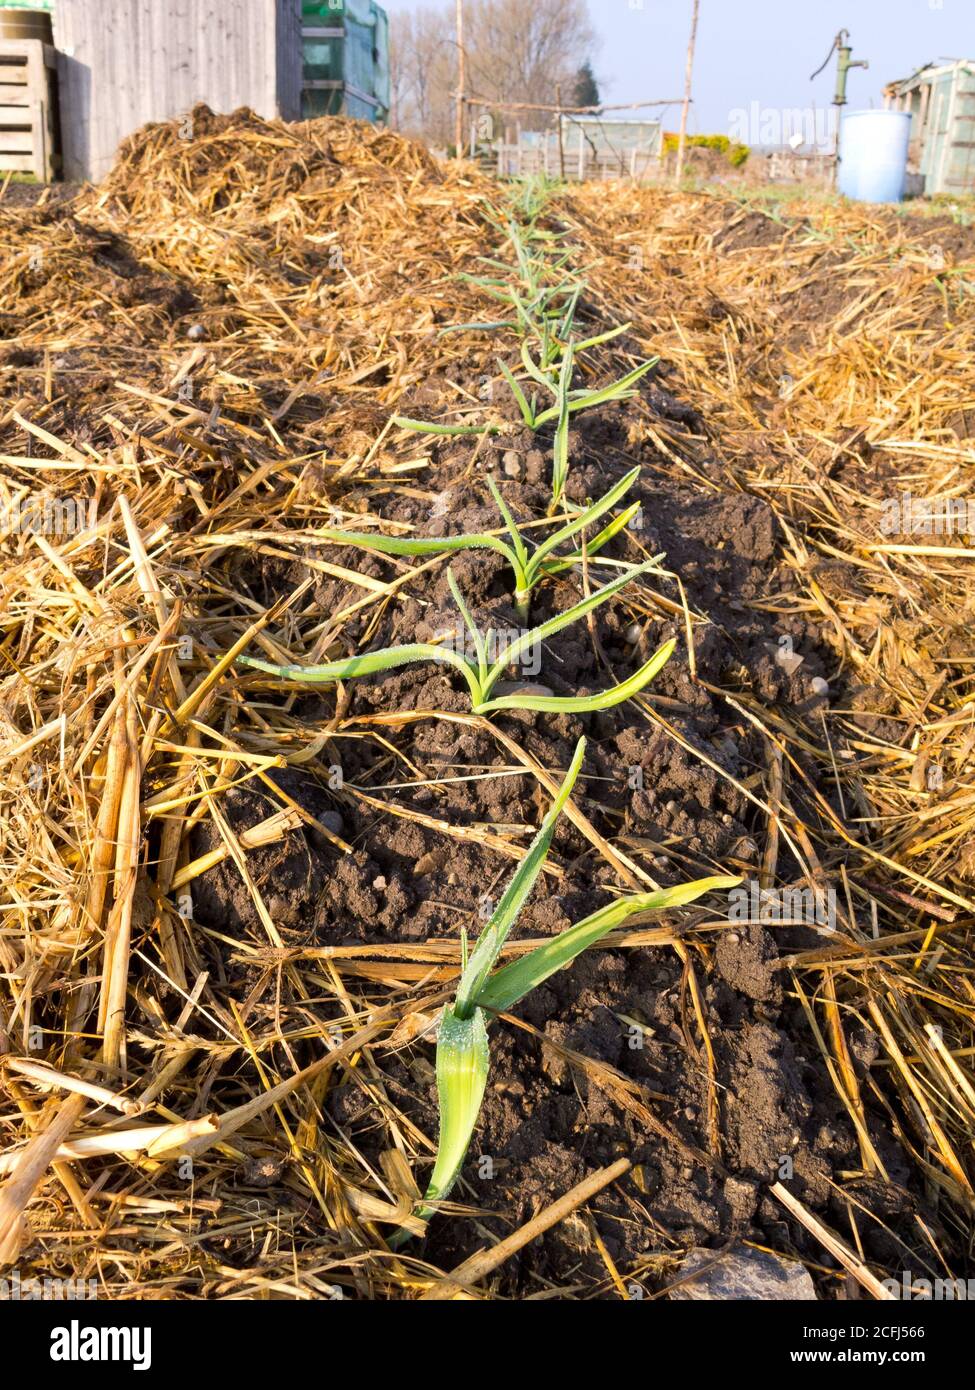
160	1076
314	258
829	351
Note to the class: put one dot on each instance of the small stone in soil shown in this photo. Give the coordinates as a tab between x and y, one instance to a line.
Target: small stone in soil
743	1274
788	660
427	864
441	506
263	1172
522	688
536	466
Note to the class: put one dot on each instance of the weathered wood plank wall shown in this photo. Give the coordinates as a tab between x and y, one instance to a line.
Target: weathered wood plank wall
124	62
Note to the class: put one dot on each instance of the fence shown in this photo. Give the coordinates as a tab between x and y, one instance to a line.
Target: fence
786	167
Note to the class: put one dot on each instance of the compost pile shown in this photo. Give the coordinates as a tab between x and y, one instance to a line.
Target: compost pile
233	906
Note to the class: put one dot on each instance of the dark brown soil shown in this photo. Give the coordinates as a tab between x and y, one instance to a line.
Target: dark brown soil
24	194
546	1122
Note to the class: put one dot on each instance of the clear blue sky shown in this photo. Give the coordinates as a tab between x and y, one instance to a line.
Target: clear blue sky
764	50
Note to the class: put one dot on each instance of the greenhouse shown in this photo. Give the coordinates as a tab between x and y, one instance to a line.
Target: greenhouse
346	59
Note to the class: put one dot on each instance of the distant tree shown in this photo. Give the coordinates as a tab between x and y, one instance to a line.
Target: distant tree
401	76
422	73
517	51
586	89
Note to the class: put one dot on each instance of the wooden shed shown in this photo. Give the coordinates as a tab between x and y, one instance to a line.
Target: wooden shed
941	100
122	63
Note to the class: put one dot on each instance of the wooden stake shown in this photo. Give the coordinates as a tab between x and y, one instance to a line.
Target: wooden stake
461	80
688	76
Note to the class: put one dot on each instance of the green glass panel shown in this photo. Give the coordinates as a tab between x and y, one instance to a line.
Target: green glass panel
321	12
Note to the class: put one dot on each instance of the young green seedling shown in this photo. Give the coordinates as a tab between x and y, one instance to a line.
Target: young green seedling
538	285
463	1060
567	401
536	303
528	569
540	288
528	196
544	311
482	676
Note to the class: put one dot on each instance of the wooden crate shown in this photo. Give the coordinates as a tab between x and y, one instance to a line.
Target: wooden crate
27	77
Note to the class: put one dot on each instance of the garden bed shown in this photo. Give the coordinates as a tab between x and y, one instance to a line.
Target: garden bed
211	346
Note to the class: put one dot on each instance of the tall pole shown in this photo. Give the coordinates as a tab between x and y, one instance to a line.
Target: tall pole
461	79
688	76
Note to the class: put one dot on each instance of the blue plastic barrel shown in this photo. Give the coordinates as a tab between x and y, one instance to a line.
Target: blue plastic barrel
873	155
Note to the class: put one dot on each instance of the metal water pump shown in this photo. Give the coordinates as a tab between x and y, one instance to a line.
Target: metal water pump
841	46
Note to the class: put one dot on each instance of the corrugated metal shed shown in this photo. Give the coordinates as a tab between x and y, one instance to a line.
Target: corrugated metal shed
941	100
122	63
